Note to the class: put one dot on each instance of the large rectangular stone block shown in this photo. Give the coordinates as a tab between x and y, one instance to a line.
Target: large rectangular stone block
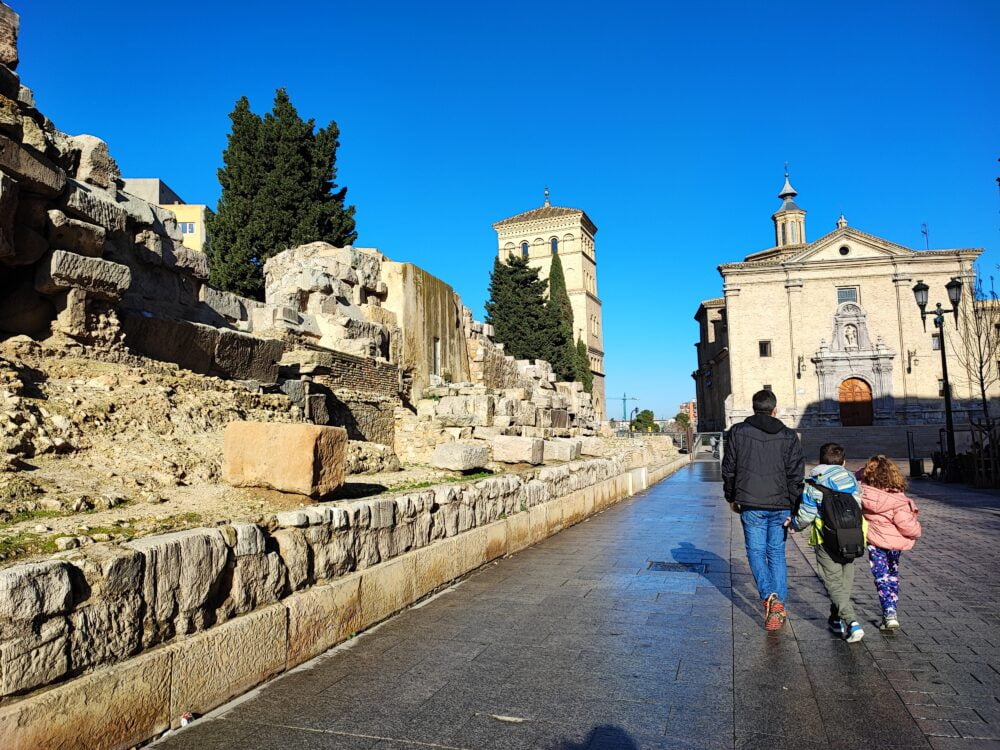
303	458
95	206
64	270
387	588
518	532
190	345
438	564
517	450
34	173
72	234
460	456
116	707
561	450
322	617
227	660
244	357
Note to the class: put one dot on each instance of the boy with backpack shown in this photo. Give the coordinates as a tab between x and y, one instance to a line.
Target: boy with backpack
831	506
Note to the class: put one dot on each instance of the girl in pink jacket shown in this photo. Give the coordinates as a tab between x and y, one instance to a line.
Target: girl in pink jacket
893	526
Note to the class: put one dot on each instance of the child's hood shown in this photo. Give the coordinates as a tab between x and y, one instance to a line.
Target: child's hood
834	475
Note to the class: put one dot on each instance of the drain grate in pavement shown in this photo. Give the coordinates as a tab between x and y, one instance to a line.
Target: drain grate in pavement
676	567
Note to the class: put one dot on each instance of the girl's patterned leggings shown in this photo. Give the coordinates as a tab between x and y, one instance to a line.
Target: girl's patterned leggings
885	567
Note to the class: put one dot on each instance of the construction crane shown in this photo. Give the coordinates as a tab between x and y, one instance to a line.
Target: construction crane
625	399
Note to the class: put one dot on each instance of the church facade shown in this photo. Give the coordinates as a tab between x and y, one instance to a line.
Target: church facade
832	328
543	232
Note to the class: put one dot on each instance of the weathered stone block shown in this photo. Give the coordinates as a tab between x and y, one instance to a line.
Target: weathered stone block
307	459
190	345
228	660
10	82
35	659
71	313
316	410
72	234
95	164
387	588
181	570
33	172
95	206
8	210
118	707
244	357
9	24
517	450
460	456
518	532
322	617
34	591
466	411
592	446
438	564
296	555
562	450
64	270
226	304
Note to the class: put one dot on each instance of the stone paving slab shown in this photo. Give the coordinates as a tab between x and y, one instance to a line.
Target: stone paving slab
576	644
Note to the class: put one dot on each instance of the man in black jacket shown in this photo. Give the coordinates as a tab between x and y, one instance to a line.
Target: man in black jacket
762	478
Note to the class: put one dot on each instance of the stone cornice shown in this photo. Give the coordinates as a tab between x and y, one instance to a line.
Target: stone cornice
962	254
530	226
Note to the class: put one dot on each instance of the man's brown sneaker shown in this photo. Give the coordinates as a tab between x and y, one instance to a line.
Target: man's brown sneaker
776	615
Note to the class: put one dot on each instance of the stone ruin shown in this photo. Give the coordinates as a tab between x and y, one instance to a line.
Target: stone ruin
378	347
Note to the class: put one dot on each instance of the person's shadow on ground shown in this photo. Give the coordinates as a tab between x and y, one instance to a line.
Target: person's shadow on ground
607	737
716	570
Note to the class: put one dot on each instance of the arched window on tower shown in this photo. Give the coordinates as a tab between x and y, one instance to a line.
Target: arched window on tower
555	246
783	240
524	249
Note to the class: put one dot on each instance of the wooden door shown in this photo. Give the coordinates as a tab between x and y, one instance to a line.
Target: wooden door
856	403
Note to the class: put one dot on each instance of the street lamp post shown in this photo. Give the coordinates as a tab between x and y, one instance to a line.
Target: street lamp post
954	289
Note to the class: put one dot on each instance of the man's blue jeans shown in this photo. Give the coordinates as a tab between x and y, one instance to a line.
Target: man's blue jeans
765	535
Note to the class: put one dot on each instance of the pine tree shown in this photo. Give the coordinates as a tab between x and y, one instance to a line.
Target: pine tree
561	351
516	308
583	372
278	191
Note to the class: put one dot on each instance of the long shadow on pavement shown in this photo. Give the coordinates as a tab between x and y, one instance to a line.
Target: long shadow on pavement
607	737
715	570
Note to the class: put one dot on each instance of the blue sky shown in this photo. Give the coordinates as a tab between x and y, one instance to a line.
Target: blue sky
667	122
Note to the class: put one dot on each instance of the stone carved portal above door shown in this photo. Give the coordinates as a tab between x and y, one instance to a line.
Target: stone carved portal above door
852	355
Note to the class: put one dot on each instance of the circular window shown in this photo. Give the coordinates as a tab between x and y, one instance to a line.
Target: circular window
844	250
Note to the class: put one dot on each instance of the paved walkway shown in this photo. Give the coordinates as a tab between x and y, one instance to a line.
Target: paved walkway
576	643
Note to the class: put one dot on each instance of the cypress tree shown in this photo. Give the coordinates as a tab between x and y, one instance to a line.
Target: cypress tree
516	308
234	262
583	372
561	351
278	191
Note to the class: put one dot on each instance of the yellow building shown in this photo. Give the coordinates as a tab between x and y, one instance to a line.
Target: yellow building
538	235
190	216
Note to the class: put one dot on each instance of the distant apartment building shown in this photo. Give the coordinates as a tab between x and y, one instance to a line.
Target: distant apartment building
190	216
691	409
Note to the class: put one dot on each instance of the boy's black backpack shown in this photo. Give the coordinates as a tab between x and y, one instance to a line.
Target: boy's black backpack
843	537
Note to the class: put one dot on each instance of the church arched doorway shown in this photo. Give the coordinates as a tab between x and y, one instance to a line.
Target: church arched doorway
855	396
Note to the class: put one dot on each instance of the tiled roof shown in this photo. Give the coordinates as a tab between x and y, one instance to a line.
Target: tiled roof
545	212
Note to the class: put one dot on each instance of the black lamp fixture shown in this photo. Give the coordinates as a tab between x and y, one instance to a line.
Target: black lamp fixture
954	288
920	292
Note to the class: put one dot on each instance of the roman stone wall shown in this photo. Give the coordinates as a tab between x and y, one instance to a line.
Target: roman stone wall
108	645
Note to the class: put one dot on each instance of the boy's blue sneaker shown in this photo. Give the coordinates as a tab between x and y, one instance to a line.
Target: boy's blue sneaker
838	626
854	632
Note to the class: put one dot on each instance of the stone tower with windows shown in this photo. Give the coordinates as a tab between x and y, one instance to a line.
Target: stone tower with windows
789	220
539	234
